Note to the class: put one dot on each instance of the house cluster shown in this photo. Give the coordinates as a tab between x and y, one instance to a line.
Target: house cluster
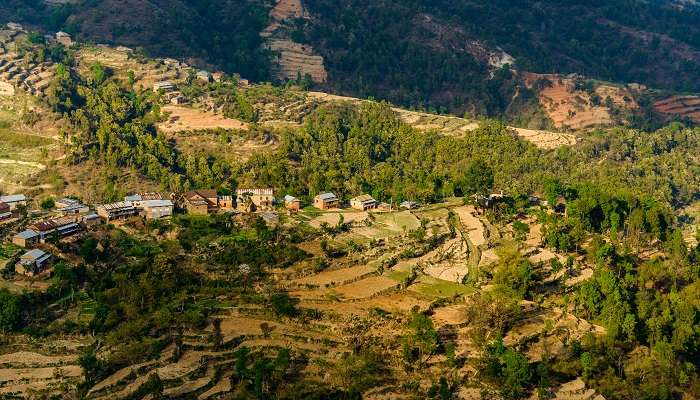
172	94
364	202
70	216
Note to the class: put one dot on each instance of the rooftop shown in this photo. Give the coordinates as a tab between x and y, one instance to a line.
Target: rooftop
363	198
28	234
157	203
34	254
256	192
117	206
289	198
327	196
13	198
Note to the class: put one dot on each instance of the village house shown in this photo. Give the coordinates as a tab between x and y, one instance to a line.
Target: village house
91	219
200	202
217	76
226	202
115	211
165	86
179	100
5	212
26	238
33	262
55	227
14	201
157	209
137	199
64	39
291	203
204	76
363	202
249	200
326	201
65	202
560	205
68	206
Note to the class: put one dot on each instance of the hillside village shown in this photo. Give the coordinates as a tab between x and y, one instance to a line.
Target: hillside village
196	280
66	218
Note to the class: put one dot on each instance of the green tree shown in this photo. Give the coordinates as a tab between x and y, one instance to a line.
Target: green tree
9	310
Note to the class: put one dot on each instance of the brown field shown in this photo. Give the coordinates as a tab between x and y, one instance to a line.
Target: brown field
336	276
398	303
188	118
361	289
472	225
36	359
332	218
571	108
682	106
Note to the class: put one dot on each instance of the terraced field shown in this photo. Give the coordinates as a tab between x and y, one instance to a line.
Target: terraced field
680	106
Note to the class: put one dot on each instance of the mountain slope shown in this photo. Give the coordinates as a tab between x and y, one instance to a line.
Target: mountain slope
438	54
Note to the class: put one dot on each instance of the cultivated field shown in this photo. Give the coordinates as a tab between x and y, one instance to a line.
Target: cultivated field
571	108
680	106
188	118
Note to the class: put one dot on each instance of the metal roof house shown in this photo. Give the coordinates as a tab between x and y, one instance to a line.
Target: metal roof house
33	262
27	238
292	203
14	201
156	209
165	86
325	201
114	211
363	202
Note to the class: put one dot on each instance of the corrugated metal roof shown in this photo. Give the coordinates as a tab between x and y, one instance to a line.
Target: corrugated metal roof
28	234
327	196
363	198
13	198
157	203
34	254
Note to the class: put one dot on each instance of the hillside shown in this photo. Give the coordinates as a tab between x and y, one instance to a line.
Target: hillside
166	233
419	54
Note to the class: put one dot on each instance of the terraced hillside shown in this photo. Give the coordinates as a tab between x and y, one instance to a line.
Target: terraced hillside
569	106
366	298
679	107
32	77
